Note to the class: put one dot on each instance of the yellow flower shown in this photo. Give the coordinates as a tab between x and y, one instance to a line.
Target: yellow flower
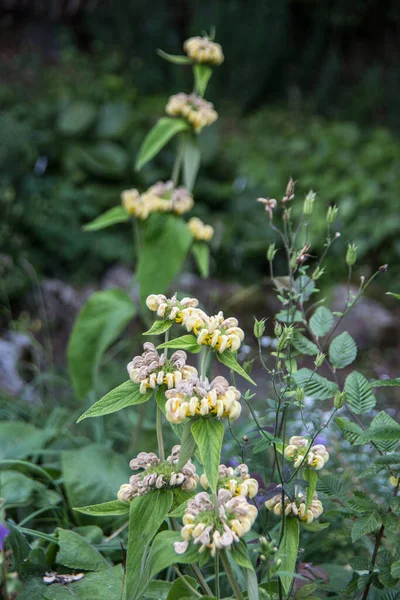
203	50
197	111
199	230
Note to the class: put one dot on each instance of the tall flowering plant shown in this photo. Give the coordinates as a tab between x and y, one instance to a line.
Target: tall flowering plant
208	521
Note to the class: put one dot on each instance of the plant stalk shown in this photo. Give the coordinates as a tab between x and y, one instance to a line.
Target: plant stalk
160	439
229	573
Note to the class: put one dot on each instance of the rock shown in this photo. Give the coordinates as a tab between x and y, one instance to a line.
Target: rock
15	348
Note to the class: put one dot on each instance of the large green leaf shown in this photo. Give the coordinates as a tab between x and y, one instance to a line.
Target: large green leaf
147	514
365	525
113	120
241	557
77	553
18	440
311	477
184	342
384	431
342	351
321	321
99	323
201	254
159	327
180	590
304	345
101	585
288	550
359	395
351	430
330	485
162	132
126	394
106	509
166	243
188	445
228	359
209	434
162	554
92	475
314	385
385	382
117	214
105	160
191	161
202	74
76	118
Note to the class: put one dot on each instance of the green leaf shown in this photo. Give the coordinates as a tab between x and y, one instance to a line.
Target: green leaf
126	394
395	570
362	503
314	385
174	58
188	445
265	442
93	474
99	323
191	161
385	382
77	553
304	345
305	591
289	315
162	132
19	440
209	434
180	590
147	514
359	394
330	485
158	590
19	546
157	268
321	321
384	431
240	555
228	359
342	350
389	459
159	327
117	214
114	120
351	430
76	119
393	294
202	75
305	287
365	525
288	552
104	160
112	508
201	254
162	554
185	342
311	477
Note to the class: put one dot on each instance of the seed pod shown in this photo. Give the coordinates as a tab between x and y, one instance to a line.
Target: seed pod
339	399
309	203
259	327
332	214
351	255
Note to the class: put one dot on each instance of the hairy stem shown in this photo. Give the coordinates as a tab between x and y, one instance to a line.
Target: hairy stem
217	591
160	439
231	577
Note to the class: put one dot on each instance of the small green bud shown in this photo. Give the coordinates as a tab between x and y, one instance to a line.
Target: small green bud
300	394
277	329
259	327
332	214
309	203
351	255
319	360
271	252
339	399
319	271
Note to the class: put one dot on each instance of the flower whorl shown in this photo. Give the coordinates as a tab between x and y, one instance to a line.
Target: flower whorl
237	480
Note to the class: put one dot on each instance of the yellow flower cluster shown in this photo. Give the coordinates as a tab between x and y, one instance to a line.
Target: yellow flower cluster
150	369
197	111
160	197
198	397
203	50
215	528
297	507
237	481
216	331
298	447
200	230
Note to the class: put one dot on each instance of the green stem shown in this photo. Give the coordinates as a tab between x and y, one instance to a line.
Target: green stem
203	370
178	162
201	580
186	583
230	575
217	591
160	440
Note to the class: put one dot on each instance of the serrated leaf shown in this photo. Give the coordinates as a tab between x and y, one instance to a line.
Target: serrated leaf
174	58
201	254
359	395
362	503
265	442
117	214
162	132
228	359
191	161
395	570
209	434
388	459
321	321
288	551
385	382
365	525
330	485
351	430
147	514
289	315
77	553
188	445
126	394
185	342
360	563
99	323
305	287
342	351
384	431
314	385
112	508
202	74
312	478
159	327
304	345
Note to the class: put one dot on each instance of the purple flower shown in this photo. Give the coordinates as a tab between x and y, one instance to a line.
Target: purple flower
4	531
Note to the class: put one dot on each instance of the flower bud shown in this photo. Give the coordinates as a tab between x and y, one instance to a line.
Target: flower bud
277	329
300	394
383	268
332	214
271	252
319	271
394	481
259	327
351	255
339	399
309	203
319	360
